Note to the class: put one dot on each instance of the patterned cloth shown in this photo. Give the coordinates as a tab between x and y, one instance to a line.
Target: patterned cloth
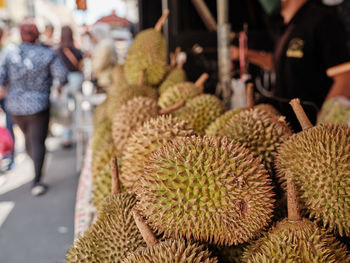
28	70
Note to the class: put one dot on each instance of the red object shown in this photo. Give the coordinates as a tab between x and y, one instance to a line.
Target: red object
6	142
114	20
81	4
243	48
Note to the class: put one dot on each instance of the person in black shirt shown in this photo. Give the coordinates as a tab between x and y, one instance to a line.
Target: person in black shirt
311	60
72	59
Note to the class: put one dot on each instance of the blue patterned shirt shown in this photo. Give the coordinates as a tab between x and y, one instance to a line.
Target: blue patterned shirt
28	71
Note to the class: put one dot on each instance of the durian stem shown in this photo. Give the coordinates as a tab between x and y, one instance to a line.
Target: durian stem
293	206
172	108
301	115
115	177
161	20
145	230
250	96
200	81
142	78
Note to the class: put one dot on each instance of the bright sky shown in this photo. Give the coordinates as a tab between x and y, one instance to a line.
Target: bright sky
96	9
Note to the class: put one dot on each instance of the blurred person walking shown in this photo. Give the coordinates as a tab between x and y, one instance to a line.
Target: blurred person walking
9	126
27	72
72	59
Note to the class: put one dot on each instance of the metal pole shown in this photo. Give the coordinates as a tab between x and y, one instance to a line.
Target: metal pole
224	58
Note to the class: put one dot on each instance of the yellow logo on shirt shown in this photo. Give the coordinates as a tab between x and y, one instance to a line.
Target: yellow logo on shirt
295	48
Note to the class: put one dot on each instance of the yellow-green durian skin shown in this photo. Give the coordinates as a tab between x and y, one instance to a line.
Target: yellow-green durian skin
172	251
260	132
318	159
200	111
182	91
206	189
100	113
101	133
147	52
296	242
216	126
112	237
144	140
334	111
102	173
127	93
177	75
129	117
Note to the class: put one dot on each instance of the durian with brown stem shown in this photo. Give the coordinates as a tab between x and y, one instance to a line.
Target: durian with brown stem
182	91
170	251
200	111
206	189
144	140
318	160
296	239
115	233
147	52
177	75
101	133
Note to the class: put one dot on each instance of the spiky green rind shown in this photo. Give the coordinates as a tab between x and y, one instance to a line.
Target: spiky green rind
230	254
319	161
267	107
112	237
182	91
130	116
200	111
101	133
216	126
172	251
126	94
144	140
260	132
102	173
147	52
335	111
297	242
177	75
205	189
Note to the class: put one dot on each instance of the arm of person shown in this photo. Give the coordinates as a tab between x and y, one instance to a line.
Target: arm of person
259	58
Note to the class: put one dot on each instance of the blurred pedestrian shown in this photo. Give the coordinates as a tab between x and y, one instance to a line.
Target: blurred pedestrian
72	58
27	72
9	126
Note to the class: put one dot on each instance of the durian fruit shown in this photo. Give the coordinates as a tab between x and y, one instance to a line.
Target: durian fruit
114	235
101	173
335	110
147	52
130	116
260	132
318	159
200	111
170	251
175	76
296	239
126	93
100	113
205	189
182	91
216	126
101	133
146	139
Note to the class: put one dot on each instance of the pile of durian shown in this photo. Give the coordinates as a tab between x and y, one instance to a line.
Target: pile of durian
179	178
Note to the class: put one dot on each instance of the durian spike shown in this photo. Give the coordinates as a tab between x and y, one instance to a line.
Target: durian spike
250	96
115	177
300	113
145	230
292	202
200	81
141	81
161	20
172	108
